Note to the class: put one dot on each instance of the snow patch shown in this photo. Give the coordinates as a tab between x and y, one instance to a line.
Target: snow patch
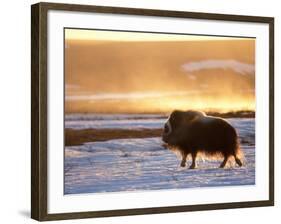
144	164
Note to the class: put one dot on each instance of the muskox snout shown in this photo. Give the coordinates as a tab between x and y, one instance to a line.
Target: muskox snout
164	138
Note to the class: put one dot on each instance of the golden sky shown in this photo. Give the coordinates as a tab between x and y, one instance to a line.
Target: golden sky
120	72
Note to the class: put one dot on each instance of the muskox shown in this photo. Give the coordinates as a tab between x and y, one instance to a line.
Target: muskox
193	132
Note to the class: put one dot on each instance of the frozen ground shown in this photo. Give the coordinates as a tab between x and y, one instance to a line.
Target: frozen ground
143	164
120	121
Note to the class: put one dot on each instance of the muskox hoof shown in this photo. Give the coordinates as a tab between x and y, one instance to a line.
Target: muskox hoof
238	161
192	167
182	164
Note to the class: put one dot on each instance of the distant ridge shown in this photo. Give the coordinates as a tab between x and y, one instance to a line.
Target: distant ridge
234	114
153	115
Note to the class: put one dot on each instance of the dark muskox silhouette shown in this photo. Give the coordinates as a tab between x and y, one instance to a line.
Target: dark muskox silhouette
192	132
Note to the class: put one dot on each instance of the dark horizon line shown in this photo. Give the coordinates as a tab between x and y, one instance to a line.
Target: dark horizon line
156	32
230	113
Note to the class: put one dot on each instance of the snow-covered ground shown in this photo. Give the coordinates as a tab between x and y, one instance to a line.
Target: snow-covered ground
120	121
143	164
134	121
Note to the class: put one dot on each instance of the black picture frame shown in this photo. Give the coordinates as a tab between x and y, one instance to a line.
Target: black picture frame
39	107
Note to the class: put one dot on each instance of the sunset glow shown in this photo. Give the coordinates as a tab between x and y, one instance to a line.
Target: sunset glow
133	72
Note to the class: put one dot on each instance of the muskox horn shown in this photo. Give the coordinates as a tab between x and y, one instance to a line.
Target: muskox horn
167	128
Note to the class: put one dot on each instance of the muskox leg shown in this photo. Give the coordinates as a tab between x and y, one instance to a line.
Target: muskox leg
237	160
224	162
193	164
183	161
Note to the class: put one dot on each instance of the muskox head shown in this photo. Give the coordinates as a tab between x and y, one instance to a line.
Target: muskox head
177	122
